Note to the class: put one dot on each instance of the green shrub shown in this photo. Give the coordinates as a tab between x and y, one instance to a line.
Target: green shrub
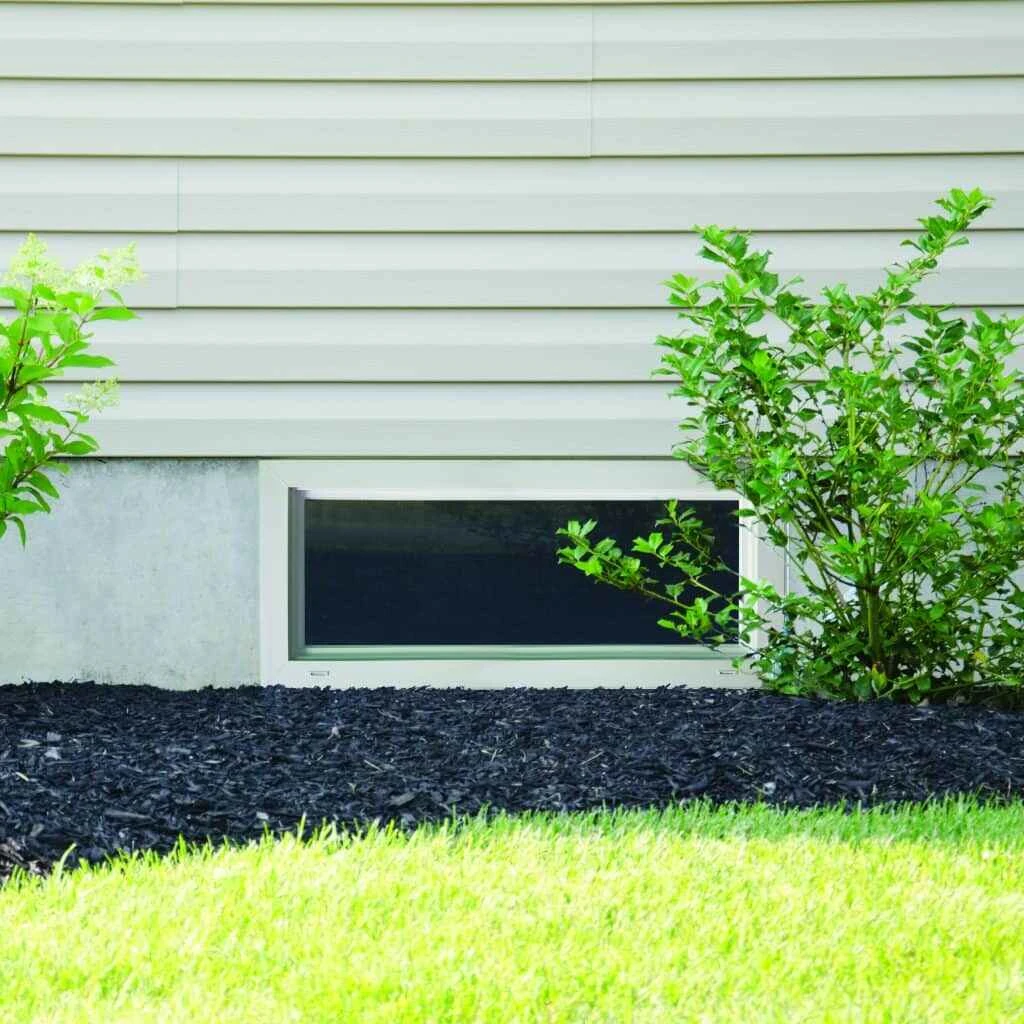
877	443
46	336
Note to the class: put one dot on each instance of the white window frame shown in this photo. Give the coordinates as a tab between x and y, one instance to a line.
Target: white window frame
284	484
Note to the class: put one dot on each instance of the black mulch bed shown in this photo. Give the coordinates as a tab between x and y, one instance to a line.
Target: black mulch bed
110	768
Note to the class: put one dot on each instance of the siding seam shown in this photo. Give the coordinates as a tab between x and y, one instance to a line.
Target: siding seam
177	234
590	88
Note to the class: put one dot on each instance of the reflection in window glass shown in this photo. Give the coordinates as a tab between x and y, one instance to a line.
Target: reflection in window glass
477	572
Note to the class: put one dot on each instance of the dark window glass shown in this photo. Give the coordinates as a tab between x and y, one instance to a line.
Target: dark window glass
477	572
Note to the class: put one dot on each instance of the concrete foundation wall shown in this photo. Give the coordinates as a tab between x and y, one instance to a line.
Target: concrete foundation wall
146	572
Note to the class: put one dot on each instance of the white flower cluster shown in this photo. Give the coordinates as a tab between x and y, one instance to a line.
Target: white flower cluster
32	262
109	269
95	396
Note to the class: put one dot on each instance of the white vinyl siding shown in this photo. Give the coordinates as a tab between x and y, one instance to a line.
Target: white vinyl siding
511	119
377	230
420	345
392	419
211	195
492	43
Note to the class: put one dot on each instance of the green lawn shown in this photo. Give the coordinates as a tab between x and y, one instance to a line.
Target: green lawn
692	915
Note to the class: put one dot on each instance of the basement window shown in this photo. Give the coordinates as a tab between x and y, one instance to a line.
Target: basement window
444	572
474	573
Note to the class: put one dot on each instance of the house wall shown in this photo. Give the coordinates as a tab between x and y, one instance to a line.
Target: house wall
429	231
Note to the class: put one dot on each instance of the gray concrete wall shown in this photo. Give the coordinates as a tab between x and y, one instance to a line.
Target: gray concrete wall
146	572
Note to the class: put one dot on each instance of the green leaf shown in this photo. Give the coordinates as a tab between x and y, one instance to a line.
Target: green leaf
20	298
40	500
30	410
41	481
113	313
79	303
20	505
30	374
78	447
92	362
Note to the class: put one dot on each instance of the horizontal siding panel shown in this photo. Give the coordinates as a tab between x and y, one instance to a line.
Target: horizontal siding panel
61	194
294	119
596	270
969	115
387	420
526	270
602	194
297	43
512	119
384	345
420	345
652	194
342	42
841	40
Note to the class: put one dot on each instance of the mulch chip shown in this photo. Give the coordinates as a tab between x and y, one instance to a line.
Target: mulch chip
110	768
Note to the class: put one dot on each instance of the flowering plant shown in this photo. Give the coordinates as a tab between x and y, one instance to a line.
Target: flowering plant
47	336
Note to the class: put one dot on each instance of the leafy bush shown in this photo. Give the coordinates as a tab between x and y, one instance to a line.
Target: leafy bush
882	459
47	335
